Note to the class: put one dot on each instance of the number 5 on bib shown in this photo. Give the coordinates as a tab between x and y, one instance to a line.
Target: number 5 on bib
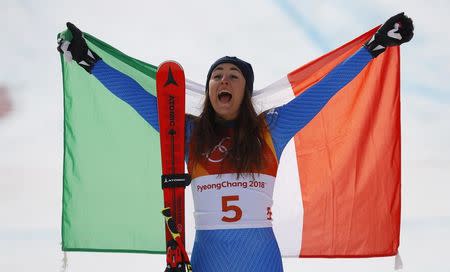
227	207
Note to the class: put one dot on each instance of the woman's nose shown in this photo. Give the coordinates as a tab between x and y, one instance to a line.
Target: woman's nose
224	80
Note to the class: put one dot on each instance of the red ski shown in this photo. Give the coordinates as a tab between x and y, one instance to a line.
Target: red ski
170	87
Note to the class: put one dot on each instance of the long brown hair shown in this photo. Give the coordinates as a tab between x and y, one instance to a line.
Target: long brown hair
246	150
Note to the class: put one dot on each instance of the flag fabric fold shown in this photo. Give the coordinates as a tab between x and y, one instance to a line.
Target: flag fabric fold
338	189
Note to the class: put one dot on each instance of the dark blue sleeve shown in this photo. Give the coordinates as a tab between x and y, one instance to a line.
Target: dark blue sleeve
285	121
187	136
128	90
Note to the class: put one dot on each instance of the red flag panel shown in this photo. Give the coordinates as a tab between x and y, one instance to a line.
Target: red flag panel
349	159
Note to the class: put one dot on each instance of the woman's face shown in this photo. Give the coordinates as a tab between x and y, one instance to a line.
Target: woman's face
226	90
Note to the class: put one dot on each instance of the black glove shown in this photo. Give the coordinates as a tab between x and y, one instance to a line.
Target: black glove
77	49
397	30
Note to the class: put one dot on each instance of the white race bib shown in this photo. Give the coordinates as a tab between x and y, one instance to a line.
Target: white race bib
224	202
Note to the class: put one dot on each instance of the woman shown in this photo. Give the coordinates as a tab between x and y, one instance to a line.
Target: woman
233	152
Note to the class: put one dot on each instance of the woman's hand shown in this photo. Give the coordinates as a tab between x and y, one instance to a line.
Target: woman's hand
397	30
77	49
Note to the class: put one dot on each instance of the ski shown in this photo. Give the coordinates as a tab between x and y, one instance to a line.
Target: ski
170	88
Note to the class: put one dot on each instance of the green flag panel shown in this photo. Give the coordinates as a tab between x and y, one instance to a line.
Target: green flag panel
112	194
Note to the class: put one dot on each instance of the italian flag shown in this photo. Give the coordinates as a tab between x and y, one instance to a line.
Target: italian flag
337	192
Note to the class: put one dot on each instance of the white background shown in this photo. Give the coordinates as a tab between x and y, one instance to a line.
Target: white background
276	37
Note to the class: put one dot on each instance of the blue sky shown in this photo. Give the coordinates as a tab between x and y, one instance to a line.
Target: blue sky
276	37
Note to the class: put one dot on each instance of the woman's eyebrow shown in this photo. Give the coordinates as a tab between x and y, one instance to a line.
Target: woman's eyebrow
220	68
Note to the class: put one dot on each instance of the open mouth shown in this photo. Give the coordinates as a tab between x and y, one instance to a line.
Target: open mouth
224	96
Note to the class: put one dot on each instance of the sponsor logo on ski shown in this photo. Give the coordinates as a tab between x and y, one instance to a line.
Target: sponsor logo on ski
172	110
167	180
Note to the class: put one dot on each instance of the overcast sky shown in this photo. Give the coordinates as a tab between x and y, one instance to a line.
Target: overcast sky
276	37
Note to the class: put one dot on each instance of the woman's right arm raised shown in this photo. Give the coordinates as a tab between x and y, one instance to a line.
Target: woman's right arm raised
121	85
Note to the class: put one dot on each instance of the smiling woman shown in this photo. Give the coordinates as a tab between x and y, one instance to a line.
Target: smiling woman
229	86
226	87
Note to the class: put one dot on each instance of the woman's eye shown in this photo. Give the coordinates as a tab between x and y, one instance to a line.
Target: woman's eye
217	76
